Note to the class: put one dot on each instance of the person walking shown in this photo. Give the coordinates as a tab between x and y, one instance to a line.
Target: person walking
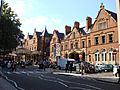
67	67
118	71
82	68
71	67
44	65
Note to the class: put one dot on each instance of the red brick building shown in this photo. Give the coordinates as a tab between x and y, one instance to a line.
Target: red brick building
38	44
98	40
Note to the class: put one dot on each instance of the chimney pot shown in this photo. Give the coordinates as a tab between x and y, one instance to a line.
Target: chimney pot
76	24
67	29
88	22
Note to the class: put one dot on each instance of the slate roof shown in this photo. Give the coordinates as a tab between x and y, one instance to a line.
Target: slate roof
30	36
114	15
81	30
45	32
38	33
60	35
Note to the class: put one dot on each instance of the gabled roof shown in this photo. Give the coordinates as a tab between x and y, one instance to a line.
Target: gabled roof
30	36
45	32
38	33
81	30
60	35
114	15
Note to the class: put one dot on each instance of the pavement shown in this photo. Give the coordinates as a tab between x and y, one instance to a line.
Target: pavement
4	84
105	77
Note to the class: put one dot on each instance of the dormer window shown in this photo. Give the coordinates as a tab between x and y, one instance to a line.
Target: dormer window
102	25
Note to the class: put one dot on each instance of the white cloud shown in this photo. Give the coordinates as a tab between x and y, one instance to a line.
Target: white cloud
40	22
18	6
23	8
56	20
34	21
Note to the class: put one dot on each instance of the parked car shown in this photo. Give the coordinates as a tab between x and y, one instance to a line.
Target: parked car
107	68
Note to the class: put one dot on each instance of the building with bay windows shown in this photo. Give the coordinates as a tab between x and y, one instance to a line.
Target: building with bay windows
98	40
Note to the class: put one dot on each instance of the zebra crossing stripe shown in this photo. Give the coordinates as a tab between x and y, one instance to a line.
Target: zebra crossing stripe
23	72
30	72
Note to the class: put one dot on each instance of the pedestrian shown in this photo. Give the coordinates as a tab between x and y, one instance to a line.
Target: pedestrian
13	66
71	67
9	65
82	68
66	68
44	65
118	71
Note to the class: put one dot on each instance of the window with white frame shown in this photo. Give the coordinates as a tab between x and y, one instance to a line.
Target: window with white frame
97	56
111	56
102	25
104	55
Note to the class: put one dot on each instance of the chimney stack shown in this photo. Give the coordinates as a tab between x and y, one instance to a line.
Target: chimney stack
76	24
67	29
88	22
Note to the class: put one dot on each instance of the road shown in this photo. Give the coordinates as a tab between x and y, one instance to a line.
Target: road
34	79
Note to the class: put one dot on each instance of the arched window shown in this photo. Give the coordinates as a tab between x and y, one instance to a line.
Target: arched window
104	55
111	56
97	55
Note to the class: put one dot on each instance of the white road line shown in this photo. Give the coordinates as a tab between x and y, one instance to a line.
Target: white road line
14	83
61	81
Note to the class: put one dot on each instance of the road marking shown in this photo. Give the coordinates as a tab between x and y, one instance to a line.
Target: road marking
15	84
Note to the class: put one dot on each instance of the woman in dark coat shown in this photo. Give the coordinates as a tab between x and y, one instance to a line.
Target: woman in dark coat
118	71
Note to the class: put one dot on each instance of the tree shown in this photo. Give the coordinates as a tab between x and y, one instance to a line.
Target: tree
10	33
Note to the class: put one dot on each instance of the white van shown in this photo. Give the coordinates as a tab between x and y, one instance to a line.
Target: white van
61	63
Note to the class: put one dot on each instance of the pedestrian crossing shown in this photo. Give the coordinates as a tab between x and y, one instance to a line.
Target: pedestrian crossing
25	72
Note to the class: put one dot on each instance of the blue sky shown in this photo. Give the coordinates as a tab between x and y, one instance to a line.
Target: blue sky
55	14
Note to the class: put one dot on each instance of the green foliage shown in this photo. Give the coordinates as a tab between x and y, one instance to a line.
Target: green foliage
10	32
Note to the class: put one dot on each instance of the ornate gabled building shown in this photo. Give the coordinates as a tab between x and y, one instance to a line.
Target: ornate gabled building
98	40
103	38
38	44
55	45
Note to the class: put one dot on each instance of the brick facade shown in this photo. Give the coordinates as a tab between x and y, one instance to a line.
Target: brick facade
98	40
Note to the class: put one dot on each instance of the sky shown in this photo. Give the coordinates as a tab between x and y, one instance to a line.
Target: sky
55	14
